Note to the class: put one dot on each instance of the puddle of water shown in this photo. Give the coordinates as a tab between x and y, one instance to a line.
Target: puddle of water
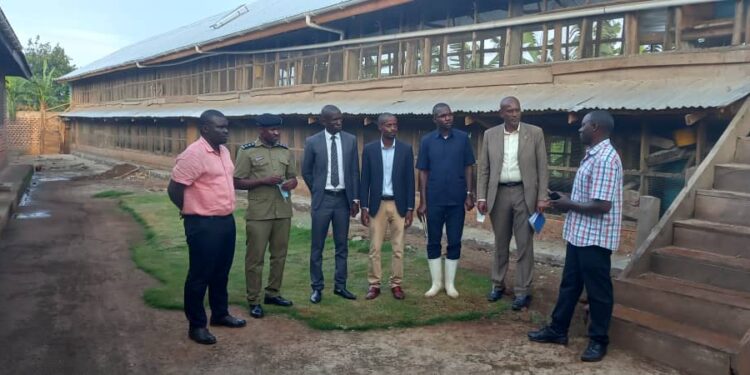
52	179
25	199
32	215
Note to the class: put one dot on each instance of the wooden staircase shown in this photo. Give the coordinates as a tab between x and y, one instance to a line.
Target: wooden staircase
684	300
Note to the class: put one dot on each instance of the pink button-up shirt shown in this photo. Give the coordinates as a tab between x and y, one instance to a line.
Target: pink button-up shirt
208	175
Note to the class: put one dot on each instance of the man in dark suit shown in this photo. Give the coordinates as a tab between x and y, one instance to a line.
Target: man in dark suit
387	190
330	167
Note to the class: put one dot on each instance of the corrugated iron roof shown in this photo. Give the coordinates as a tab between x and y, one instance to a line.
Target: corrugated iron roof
17	66
262	14
613	95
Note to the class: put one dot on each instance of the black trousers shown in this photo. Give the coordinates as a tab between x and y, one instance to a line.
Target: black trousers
452	217
590	267
334	210
210	242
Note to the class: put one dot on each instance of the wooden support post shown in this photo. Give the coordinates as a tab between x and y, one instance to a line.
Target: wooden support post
678	24
444	54
645	151
328	65
557	48
427	56
380	54
739	18
585	39
648	217
747	25
543	54
513	39
631	34
700	142
474	63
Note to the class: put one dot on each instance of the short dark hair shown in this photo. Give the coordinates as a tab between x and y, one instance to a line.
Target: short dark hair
209	115
603	119
329	109
438	107
384	117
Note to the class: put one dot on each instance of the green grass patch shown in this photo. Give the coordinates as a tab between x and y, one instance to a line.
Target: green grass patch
111	194
164	255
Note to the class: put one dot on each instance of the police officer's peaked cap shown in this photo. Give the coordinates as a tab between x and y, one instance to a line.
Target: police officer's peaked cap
268	120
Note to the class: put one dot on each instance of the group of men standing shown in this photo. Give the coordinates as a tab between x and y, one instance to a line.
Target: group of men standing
512	184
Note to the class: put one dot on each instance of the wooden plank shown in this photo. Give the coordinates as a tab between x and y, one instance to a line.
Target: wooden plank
520	75
645	151
585	39
427	56
557	48
632	44
739	9
654	60
506	49
666	156
543	52
678	25
700	142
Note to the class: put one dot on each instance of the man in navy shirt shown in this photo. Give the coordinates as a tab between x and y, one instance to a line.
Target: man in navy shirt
445	192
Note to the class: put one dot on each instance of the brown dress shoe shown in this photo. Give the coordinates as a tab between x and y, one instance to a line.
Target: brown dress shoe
398	293
372	293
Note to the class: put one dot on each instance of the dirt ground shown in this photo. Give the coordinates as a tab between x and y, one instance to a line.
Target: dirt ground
72	305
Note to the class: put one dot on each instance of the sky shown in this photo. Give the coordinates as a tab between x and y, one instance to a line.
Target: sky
91	29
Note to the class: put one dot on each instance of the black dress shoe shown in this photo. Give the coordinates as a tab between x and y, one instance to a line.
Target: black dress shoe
547	335
278	301
344	293
495	295
520	302
594	352
256	311
201	336
316	296
228	321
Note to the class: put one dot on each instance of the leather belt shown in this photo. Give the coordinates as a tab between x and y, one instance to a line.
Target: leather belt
510	184
387	198
336	193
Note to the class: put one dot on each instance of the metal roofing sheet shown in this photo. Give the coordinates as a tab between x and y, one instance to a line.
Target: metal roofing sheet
625	95
262	13
19	67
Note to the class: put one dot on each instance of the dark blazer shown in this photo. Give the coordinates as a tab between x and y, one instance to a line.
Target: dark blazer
315	166
371	187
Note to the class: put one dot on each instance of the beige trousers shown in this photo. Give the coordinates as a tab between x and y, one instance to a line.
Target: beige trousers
510	216
387	219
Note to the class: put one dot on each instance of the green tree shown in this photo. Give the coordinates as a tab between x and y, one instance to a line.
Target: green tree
47	63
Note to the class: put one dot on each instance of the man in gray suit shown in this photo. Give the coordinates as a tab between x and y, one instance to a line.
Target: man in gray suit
512	184
330	167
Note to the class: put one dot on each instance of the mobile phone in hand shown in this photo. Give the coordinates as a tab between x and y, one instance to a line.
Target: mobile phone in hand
554	196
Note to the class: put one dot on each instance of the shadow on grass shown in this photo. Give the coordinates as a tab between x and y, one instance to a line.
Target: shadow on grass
111	194
164	255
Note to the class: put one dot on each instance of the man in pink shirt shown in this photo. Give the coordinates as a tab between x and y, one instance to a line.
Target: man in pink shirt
202	188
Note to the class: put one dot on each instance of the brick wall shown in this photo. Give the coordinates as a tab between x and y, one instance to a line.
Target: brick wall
24	133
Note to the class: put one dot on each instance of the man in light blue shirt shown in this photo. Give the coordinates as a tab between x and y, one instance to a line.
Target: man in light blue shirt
387	193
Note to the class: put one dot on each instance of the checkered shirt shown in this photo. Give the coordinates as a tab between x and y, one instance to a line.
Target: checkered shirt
598	177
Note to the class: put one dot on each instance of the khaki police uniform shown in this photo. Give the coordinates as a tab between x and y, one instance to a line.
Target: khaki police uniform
268	217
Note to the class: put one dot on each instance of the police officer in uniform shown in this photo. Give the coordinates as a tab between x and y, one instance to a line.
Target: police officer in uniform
267	170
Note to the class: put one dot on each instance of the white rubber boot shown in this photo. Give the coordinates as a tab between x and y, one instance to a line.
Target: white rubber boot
436	271
450	275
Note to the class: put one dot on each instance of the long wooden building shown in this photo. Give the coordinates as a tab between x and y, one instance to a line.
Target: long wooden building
675	73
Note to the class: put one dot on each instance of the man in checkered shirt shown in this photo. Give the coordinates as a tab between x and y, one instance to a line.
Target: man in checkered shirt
592	230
